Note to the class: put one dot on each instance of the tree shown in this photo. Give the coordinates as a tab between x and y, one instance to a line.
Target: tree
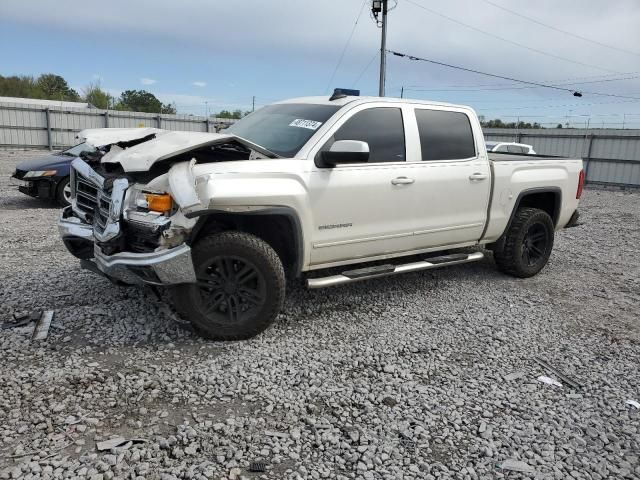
95	96
55	87
236	114
559	125
20	86
143	101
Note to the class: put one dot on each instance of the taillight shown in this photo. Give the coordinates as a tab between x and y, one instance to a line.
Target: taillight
580	185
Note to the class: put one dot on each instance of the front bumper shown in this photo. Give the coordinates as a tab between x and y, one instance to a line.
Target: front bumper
41	187
171	266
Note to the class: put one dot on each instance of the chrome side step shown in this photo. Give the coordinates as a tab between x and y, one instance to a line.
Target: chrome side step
386	270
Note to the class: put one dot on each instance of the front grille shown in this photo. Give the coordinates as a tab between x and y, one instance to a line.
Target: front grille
141	239
93	201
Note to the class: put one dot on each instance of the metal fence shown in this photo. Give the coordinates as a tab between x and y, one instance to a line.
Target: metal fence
34	126
611	156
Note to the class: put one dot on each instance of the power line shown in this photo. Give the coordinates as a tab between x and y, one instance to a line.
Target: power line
365	69
542	52
571	34
412	57
569	81
344	50
417	88
554	87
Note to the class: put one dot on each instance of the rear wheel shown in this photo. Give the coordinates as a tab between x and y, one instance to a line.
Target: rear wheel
63	192
527	244
240	289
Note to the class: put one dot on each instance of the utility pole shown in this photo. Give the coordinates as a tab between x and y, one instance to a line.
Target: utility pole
253	104
402	92
380	7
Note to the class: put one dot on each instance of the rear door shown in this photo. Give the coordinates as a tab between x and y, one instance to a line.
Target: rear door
452	178
360	210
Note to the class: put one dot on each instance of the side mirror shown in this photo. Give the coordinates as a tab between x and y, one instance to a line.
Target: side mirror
344	152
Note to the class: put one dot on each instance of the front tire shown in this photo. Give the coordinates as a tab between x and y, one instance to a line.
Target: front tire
63	192
527	244
240	289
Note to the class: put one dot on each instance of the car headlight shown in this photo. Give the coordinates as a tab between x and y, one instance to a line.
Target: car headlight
40	173
153	201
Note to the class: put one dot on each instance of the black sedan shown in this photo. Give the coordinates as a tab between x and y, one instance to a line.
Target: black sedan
48	177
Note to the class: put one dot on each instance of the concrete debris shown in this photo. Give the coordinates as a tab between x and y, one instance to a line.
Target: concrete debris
561	375
516	466
514	375
41	330
633	403
111	443
549	381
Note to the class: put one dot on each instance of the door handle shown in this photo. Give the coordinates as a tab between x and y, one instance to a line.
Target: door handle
477	176
402	181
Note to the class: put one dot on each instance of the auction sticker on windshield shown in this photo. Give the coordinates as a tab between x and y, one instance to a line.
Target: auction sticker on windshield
310	124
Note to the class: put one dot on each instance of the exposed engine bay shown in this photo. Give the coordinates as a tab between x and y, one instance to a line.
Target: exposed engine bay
146	176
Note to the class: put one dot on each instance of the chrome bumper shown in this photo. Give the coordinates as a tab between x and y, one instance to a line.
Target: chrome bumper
165	267
70	226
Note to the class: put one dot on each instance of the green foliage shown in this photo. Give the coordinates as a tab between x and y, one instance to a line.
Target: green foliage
47	86
143	101
55	87
497	123
95	96
236	114
22	86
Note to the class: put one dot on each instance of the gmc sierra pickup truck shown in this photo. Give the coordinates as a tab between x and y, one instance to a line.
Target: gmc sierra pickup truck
364	186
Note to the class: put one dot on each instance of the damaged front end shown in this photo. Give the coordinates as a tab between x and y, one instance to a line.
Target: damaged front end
113	232
130	200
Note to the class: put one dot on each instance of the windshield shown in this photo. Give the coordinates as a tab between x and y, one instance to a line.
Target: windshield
284	128
76	150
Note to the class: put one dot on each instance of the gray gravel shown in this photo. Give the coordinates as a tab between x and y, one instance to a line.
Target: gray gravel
427	375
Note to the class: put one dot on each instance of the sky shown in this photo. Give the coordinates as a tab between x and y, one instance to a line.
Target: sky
208	55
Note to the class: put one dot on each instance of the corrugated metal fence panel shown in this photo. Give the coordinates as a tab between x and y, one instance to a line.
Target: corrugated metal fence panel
611	156
25	125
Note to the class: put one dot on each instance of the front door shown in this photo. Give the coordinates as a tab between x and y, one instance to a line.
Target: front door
359	209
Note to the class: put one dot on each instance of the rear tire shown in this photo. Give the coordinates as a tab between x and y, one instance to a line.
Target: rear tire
527	245
240	289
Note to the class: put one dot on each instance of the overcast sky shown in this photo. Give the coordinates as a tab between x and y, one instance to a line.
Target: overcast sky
223	53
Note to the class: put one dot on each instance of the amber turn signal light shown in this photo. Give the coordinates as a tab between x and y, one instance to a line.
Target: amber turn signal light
159	202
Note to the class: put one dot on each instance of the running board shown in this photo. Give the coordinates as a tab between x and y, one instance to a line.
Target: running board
386	270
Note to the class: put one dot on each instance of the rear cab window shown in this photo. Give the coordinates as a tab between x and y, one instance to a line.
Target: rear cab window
445	135
383	130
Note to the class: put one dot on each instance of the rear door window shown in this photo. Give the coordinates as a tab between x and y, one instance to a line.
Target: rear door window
445	135
516	149
381	128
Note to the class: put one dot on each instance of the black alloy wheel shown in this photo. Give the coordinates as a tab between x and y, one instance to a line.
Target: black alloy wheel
232	289
240	286
535	244
525	247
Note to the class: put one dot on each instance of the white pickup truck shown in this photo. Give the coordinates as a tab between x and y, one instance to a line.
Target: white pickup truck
363	186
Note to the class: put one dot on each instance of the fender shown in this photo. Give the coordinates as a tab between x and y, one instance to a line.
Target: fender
288	212
556	191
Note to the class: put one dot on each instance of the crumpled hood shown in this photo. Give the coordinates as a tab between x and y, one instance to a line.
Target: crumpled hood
141	157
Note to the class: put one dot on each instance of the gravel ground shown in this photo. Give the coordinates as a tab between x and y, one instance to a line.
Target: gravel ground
427	375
